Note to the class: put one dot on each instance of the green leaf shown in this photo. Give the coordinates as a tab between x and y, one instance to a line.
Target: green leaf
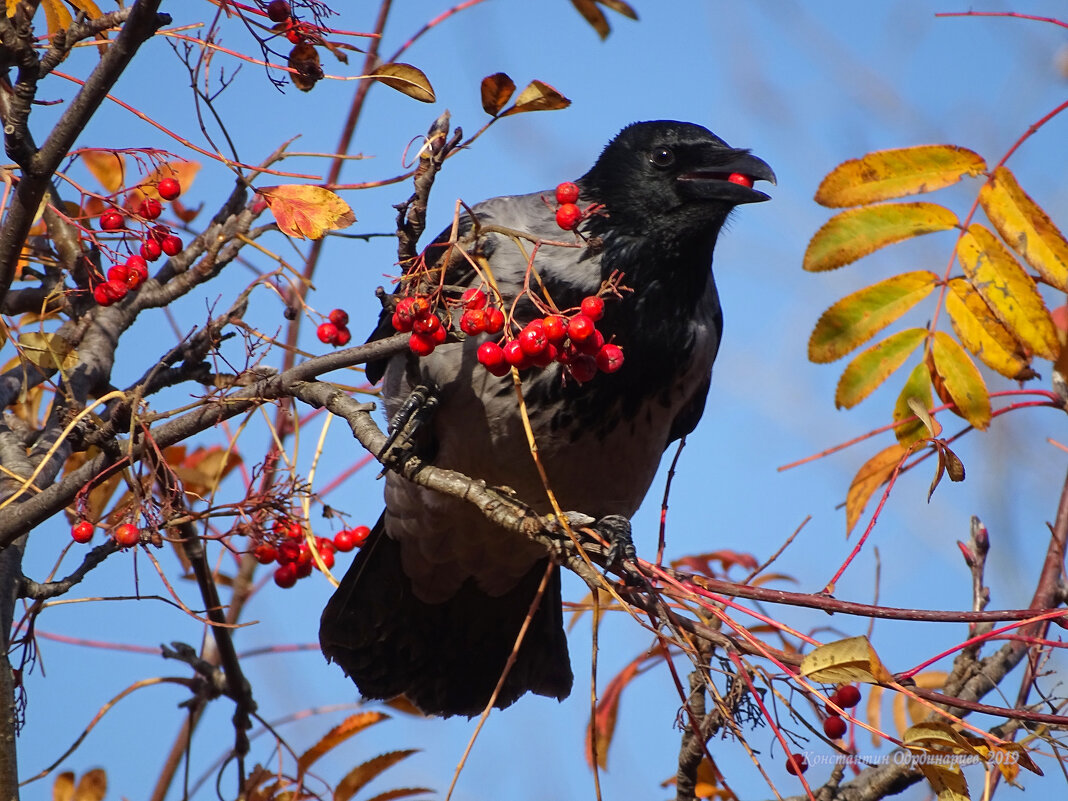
855	319
916	392
872	367
852	234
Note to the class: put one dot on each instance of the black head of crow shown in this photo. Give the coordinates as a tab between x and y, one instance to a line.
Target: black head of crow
433	603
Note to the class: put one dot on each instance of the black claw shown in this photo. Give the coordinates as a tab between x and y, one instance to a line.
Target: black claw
616	529
410	417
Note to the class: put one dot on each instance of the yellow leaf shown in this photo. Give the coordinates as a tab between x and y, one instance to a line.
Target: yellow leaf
961	379
873	474
538	96
497	89
93	786
886	174
852	234
57	18
107	166
47	351
1026	227
915	398
1008	290
946	780
855	319
304	211
873	366
983	334
360	775
929	734
63	786
844	661
406	79
337	735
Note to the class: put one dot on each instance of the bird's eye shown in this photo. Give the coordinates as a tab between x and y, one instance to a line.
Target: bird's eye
662	157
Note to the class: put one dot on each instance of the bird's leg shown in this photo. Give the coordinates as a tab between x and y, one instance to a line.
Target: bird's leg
616	530
416	410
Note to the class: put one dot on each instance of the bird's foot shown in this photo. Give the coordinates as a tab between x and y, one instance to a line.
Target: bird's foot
415	412
616	530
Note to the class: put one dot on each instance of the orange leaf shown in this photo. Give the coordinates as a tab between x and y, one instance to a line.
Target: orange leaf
887	174
603	724
307	212
873	474
497	89
184	172
107	166
854	233
360	775
337	735
538	96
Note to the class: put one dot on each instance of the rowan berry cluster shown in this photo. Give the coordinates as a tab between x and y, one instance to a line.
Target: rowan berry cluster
568	214
125	535
289	549
156	240
335	330
416	314
847	696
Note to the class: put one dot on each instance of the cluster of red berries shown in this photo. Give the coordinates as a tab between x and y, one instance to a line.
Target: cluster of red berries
126	535
335	331
575	343
568	214
158	240
846	697
415	314
293	555
279	12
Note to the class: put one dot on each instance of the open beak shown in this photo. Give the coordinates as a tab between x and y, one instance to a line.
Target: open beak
730	179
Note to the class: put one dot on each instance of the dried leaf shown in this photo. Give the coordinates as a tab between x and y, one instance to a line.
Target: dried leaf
107	166
1026	227
305	211
887	174
63	786
360	775
980	331
962	380
538	96
47	351
914	401
1008	290
304	61
852	234
406	79
873	366
351	725
497	89
873	474
603	725
93	786
400	792
56	16
855	319
593	15
203	470
946	780
844	661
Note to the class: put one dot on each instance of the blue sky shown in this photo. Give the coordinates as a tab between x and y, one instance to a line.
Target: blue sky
806	86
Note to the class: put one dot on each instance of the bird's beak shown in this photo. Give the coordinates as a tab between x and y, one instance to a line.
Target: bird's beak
730	179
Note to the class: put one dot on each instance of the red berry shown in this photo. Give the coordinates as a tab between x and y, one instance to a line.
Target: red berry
150	250
583	368
304	569
285	576
568	216
421	345
474	299
555	328
440	335
171	245
265	553
119	272
427	325
515	355
547	356
360	535
150	208
846	696
796	764
278	11
491	356
493	320
327	333
609	358
288	551
344	541
102	295
401	323
137	264
339	317
741	180
294	36
82	532
591	345
116	290
420	308
533	340
111	220
126	535
294	530
834	727
580	328
327	556
344	336
169	189
593	307
567	192
473	321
